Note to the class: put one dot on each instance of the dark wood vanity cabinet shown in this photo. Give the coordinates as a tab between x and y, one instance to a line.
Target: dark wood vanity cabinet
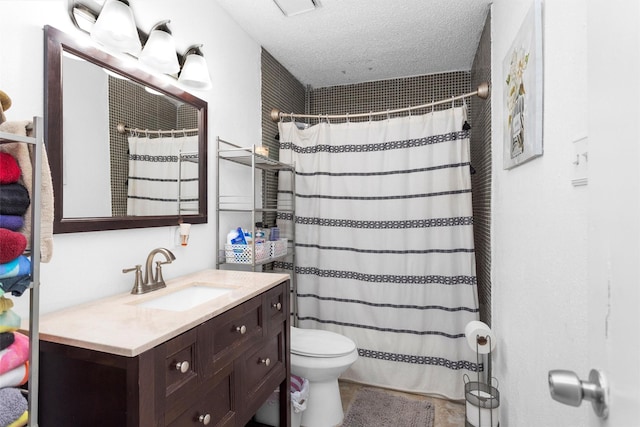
218	374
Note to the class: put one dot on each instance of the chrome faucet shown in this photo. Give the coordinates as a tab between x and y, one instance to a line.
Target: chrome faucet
151	281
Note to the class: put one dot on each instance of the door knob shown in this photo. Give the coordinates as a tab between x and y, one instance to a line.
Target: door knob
567	388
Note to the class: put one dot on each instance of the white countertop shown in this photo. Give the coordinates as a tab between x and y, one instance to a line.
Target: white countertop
118	325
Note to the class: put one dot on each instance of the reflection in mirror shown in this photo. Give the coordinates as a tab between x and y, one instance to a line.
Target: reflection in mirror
150	173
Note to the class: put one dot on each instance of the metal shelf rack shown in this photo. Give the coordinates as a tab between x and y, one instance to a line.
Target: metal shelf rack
37	141
229	203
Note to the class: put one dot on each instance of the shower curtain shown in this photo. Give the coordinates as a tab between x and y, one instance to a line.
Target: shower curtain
384	248
159	182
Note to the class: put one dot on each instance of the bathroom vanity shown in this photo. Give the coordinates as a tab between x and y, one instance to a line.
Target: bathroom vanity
167	359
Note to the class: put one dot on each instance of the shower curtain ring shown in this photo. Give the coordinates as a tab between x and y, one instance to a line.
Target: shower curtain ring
184	132
291	116
388	114
347	117
370	116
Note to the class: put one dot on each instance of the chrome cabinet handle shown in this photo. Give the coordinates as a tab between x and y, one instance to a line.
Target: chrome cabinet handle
182	366
242	329
205	419
277	306
265	362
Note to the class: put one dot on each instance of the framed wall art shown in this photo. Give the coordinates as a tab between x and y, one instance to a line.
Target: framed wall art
523	90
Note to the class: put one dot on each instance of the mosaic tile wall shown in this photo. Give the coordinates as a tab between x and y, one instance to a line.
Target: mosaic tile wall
481	180
388	95
282	91
130	104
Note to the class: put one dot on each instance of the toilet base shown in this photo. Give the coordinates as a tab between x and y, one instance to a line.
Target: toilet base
324	407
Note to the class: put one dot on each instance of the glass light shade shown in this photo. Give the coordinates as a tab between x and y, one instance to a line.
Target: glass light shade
195	72
116	29
159	53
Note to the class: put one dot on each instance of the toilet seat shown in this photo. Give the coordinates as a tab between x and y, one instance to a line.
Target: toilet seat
319	343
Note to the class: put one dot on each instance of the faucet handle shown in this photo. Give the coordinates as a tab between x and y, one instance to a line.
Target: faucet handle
159	278
138	282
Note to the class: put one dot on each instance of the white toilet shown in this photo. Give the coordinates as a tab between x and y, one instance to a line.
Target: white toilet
320	357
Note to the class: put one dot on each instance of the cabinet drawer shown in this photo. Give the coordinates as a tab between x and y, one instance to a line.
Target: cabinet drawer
226	336
212	405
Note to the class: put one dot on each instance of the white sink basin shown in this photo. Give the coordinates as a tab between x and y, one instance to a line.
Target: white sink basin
186	298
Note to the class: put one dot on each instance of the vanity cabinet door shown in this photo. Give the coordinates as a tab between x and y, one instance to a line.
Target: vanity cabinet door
263	369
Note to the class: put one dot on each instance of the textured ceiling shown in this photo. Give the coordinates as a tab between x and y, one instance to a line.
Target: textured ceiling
354	41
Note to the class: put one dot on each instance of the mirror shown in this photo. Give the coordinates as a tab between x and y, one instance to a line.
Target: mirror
102	179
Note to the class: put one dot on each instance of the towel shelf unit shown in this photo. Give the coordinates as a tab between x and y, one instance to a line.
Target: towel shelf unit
37	141
249	208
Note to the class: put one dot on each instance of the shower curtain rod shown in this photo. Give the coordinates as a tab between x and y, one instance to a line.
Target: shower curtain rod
482	92
122	128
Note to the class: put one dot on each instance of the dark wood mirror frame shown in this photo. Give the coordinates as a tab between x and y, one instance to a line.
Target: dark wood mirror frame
56	42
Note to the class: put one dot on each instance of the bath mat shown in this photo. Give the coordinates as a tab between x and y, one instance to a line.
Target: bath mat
373	407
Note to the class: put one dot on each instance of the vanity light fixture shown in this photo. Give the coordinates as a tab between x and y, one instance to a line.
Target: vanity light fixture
159	51
296	7
195	72
116	28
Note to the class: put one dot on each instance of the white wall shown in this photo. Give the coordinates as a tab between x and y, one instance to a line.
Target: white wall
540	226
87	266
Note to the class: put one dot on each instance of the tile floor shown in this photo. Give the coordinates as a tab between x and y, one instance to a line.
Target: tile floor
448	413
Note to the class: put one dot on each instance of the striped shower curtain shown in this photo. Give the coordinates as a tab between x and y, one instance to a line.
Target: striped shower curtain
158	183
384	248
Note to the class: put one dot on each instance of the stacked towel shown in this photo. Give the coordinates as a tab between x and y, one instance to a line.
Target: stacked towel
14	203
9	321
9	169
16	354
6	339
5	304
16	285
13	407
13	404
11	222
14	199
12	245
15	377
19	266
23	153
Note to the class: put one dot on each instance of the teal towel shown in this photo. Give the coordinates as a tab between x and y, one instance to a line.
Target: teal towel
17	267
12	405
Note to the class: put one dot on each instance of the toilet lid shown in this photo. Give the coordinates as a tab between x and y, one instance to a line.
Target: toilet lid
318	343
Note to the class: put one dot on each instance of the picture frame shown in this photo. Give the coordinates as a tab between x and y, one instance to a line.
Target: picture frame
523	92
